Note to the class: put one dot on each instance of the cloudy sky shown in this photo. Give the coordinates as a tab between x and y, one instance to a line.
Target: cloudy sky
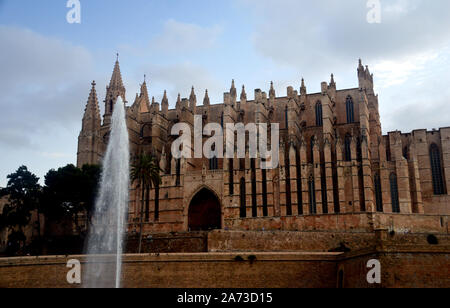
47	64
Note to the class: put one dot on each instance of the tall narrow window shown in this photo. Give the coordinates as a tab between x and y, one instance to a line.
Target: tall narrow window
337	207
178	171
319	115
213	163
243	208
324	190
157	203
299	184
348	148
288	187
231	175
394	194
378	194
254	191
312	196
286	118
362	195
436	170
388	150
264	190
350	110
221	120
358	149
111	103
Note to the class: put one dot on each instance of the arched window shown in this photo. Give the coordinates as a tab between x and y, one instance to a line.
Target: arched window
436	170
348	148
243	207
378	194
319	115
350	110
312	196
111	103
394	193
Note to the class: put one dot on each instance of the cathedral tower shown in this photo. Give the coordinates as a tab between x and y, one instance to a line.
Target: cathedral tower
89	151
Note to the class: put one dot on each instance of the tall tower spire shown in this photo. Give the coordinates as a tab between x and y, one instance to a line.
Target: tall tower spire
113	91
88	140
92	111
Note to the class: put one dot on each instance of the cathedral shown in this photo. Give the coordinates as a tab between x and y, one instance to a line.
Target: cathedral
337	170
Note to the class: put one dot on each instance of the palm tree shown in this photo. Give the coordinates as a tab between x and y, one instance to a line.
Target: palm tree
146	172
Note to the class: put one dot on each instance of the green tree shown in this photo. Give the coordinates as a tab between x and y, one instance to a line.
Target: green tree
70	191
146	173
23	193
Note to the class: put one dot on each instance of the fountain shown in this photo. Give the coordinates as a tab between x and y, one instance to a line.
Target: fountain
106	237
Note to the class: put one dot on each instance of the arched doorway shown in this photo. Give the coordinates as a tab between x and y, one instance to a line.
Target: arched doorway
205	212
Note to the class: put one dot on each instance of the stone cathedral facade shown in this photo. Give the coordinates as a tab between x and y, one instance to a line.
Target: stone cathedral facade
337	170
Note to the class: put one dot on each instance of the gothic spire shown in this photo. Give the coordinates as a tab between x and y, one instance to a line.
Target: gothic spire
178	105
165	100
116	78
272	90
303	88
144	91
332	82
192	97
165	103
233	89
243	94
92	108
206	101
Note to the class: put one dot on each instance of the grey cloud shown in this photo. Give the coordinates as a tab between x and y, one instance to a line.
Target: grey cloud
179	37
41	81
318	34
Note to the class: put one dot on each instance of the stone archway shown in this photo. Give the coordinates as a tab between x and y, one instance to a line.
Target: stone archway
205	212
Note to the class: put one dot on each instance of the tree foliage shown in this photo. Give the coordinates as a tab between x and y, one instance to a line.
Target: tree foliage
70	191
23	192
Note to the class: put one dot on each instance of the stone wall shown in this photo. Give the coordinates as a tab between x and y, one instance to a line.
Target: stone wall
221	241
291	270
401	267
358	222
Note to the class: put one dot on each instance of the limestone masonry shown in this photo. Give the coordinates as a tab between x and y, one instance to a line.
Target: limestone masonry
337	170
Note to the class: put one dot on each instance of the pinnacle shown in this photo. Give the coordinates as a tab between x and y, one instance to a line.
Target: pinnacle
116	78
92	107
